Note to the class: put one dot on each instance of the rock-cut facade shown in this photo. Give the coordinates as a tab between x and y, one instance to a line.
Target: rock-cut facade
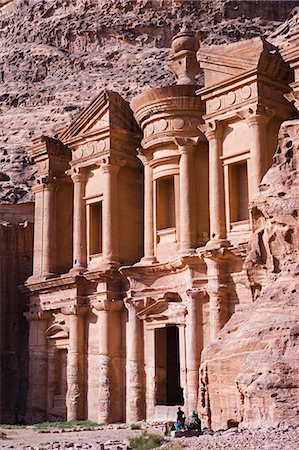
142	218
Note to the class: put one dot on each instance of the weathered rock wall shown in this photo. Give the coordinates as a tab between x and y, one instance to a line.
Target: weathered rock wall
16	237
55	56
250	374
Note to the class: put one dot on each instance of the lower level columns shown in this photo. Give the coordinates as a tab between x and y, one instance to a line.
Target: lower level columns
110	360
38	367
194	345
218	290
135	393
75	397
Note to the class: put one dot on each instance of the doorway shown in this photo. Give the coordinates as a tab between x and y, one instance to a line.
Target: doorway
167	364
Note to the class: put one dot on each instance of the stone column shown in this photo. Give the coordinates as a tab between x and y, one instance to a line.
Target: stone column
216	184
258	151
110	213
38	367
149	256
135	395
109	345
79	221
187	217
75	397
44	233
194	345
217	290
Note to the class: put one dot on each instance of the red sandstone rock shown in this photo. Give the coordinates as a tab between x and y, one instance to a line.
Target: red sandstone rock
250	375
55	56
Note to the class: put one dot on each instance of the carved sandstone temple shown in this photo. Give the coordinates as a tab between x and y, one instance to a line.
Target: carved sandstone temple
141	223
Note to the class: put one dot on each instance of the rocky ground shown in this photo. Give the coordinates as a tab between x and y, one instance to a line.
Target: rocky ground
28	439
56	55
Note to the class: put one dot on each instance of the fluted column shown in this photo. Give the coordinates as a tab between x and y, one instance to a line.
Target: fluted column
110	213
75	397
187	217
216	184
135	395
38	367
194	345
79	221
149	256
258	151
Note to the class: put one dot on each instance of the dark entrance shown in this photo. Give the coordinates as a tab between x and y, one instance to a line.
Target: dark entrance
168	382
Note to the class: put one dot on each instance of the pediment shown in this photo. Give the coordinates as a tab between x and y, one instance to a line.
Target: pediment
160	307
107	110
222	62
57	331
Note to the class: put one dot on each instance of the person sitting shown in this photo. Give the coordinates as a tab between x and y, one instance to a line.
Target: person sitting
181	418
193	422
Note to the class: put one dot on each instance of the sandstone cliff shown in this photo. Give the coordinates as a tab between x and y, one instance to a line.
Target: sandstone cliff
250	375
57	55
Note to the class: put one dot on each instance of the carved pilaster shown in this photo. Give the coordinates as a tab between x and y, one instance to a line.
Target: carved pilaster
38	366
257	118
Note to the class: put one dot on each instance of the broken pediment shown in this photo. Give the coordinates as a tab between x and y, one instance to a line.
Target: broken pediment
107	110
223	62
163	308
51	157
57	331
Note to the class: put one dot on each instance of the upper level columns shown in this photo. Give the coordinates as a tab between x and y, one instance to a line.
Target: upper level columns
258	149
79	220
213	133
187	219
44	235
149	251
110	212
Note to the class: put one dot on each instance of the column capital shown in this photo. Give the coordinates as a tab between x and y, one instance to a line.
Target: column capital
137	305
74	310
196	294
43	183
145	157
257	115
108	305
212	129
37	315
77	174
186	145
110	164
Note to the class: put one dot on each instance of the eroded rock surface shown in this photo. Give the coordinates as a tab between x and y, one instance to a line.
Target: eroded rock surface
55	56
250	375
